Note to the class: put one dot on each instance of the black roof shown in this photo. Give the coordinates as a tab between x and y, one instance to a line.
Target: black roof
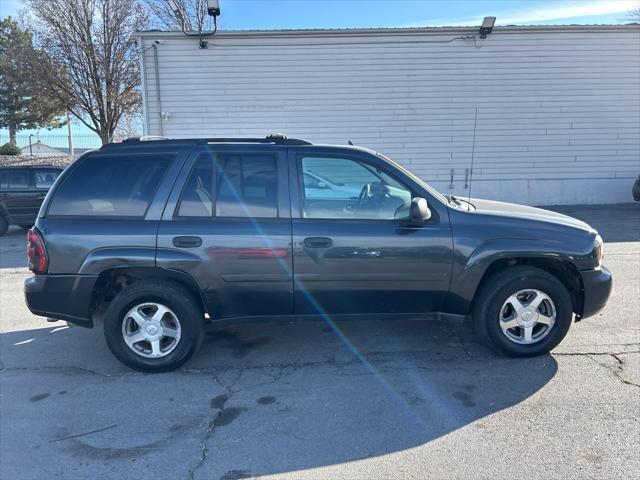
275	139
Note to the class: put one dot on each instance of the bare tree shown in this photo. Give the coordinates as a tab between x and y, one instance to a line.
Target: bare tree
93	46
195	15
634	15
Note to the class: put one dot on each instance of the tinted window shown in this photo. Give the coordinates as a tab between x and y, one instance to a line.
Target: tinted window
45	178
119	186
17	179
343	188
197	195
246	186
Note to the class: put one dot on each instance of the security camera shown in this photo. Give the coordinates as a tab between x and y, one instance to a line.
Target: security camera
213	8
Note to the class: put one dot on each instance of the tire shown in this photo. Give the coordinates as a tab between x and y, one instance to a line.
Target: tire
4	225
142	300
502	294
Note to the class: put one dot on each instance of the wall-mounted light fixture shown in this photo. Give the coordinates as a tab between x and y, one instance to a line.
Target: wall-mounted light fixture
487	26
213	10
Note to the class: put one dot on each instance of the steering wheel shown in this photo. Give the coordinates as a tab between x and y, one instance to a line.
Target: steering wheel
365	195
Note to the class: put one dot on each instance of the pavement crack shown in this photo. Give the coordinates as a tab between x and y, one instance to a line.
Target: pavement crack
215	421
594	354
617	370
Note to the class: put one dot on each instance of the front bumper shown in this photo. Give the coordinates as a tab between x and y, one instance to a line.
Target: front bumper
63	297
597	288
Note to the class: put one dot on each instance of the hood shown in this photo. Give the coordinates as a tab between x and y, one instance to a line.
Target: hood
515	210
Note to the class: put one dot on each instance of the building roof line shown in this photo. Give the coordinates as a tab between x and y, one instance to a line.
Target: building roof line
631	27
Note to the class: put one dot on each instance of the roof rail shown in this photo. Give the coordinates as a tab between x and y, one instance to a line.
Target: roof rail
277	138
145	138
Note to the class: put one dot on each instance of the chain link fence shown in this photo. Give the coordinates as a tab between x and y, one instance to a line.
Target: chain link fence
53	145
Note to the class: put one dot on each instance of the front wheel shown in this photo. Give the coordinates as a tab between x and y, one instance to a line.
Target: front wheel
154	326
522	311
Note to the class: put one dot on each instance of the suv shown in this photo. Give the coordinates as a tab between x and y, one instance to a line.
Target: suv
154	238
22	190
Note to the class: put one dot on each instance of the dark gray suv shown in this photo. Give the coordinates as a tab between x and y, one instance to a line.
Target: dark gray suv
154	238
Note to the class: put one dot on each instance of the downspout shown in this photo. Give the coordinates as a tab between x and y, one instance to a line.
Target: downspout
155	58
143	78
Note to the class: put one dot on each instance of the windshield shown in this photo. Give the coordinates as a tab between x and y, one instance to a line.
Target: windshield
417	179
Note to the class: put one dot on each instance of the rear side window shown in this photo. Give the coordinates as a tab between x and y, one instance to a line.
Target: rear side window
45	178
243	186
110	186
246	186
14	179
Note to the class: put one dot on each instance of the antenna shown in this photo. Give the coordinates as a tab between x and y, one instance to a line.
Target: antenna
473	151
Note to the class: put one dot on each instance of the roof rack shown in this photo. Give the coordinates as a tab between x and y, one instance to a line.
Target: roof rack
277	138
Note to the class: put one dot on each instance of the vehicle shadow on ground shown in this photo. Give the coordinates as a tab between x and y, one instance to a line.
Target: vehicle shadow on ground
13	248
263	398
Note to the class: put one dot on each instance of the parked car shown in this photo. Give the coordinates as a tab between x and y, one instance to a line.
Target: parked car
22	190
316	186
152	238
636	189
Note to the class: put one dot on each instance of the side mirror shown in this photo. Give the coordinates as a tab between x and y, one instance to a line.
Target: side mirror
419	210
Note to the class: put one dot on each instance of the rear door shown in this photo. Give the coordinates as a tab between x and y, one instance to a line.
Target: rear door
355	251
228	225
19	197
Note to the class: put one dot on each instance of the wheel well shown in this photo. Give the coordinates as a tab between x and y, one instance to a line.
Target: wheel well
565	272
113	281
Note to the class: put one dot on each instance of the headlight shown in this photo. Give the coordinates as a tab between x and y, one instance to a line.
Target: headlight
598	250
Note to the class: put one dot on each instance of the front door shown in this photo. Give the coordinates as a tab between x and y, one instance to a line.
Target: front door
227	224
355	250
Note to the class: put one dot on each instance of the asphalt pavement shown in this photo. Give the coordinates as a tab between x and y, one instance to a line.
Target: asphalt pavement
405	399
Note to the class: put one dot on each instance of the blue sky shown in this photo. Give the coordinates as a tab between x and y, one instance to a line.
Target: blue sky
278	14
273	14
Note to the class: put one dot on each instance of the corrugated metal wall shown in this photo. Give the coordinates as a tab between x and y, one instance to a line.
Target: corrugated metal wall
558	117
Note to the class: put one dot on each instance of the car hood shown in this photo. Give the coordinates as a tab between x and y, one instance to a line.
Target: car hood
515	210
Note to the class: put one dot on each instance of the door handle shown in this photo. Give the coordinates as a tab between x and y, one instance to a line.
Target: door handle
317	242
187	242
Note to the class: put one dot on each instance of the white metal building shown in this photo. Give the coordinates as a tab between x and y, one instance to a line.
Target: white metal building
558	108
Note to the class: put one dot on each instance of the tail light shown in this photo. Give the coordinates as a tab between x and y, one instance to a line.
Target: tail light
36	253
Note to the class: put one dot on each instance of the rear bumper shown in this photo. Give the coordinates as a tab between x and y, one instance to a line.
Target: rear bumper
597	288
63	297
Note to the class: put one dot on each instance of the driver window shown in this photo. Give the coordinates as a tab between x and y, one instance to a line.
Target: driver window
342	188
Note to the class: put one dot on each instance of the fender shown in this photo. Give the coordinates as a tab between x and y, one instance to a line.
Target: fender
99	260
141	263
467	277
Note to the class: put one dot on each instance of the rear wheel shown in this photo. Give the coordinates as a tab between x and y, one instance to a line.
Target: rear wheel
154	326
522	311
4	225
